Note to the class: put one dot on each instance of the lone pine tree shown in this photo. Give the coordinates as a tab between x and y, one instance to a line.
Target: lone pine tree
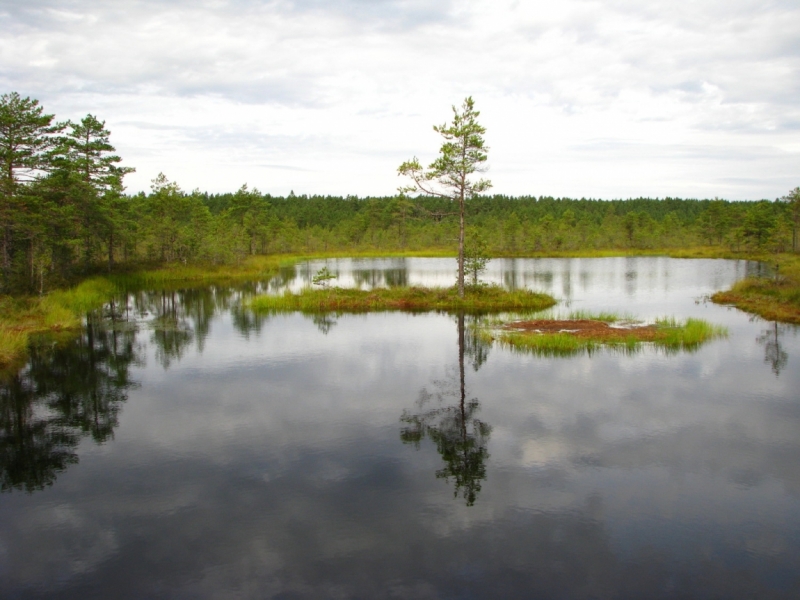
462	154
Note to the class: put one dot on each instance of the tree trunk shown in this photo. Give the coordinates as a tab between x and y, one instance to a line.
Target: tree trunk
463	393
31	268
111	250
6	256
461	247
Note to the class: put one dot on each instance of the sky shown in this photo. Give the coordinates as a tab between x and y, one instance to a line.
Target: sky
601	99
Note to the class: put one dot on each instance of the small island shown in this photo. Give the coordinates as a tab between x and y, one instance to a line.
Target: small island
588	333
476	300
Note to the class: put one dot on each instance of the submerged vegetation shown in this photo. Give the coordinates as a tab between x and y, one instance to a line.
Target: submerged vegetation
568	337
480	299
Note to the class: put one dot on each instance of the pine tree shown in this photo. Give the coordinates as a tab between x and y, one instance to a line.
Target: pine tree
462	154
28	142
97	183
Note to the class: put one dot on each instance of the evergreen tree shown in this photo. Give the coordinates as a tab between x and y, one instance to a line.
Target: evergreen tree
28	141
793	200
461	155
97	184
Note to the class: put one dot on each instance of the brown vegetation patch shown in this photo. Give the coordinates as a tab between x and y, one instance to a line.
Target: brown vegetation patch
586	328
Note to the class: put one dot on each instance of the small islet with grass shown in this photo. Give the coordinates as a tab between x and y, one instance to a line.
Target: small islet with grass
585	332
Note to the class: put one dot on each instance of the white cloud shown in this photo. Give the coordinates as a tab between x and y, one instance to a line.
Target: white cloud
608	99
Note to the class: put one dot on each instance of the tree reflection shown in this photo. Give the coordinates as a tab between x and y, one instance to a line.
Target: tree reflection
66	391
449	420
475	347
774	354
324	321
369	278
33	447
396	277
181	317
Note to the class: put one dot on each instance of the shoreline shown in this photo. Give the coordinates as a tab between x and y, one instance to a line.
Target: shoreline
774	299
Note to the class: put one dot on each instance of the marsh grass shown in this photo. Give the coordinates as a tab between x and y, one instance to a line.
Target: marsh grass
61	310
12	345
250	268
605	317
413	299
666	334
254	267
774	298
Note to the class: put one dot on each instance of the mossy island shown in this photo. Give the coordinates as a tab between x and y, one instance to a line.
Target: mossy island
483	299
588	333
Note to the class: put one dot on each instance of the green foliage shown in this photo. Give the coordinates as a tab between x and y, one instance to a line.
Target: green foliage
64	214
759	224
461	155
323	277
28	141
476	257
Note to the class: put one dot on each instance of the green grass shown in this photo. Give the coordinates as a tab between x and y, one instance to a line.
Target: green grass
60	310
88	296
666	334
773	298
254	267
13	345
605	317
341	300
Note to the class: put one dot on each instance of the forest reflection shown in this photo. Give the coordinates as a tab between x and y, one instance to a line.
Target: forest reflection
75	387
66	391
449	420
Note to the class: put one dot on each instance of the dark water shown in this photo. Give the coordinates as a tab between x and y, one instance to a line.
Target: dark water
186	448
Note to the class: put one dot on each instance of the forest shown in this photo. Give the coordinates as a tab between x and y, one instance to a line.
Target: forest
65	215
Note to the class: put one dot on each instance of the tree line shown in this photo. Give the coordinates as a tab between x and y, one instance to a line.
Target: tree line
64	213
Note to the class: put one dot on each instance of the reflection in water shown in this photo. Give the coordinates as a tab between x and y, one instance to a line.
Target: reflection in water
396	277
277	470
285	277
65	392
373	278
510	279
369	278
448	419
774	354
180	317
323	321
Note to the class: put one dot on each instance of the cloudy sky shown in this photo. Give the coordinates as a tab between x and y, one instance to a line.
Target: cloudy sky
604	99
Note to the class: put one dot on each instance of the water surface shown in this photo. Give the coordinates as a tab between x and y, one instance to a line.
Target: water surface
183	447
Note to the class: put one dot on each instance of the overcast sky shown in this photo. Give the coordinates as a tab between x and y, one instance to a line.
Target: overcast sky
603	99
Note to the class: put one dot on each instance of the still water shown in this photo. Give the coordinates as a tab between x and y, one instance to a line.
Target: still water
183	447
